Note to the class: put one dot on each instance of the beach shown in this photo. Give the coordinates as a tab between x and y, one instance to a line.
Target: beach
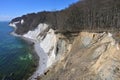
42	62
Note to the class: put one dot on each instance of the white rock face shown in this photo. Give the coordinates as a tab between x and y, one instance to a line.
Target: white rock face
22	21
49	46
45	48
109	34
14	24
49	41
34	33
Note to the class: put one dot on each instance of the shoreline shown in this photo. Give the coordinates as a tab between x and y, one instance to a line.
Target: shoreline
36	57
42	58
38	53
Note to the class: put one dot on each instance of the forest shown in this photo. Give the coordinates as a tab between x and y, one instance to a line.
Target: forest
85	15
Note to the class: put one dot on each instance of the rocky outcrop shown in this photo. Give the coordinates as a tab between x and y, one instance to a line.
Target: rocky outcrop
93	56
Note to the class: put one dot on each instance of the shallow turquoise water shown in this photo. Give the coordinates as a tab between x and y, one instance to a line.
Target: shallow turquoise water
16	60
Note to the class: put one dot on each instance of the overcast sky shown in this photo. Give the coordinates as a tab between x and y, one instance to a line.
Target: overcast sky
13	8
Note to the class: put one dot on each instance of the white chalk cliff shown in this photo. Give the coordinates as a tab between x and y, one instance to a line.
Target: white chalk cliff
47	45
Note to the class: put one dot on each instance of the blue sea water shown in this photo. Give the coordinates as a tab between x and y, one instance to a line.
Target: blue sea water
16	60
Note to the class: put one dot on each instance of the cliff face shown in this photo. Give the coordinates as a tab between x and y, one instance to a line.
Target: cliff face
93	56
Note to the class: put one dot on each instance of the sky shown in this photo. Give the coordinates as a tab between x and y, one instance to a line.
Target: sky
13	8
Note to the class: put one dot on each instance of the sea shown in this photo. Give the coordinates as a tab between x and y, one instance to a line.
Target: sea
16	56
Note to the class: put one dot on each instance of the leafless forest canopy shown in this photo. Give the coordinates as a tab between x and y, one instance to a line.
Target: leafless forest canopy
89	15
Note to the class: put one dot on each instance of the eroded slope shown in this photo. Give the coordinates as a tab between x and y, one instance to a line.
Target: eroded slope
93	56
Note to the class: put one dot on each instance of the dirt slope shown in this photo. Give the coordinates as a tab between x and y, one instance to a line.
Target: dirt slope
93	56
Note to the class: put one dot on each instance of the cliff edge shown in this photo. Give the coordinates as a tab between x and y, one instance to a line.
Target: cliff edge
93	56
